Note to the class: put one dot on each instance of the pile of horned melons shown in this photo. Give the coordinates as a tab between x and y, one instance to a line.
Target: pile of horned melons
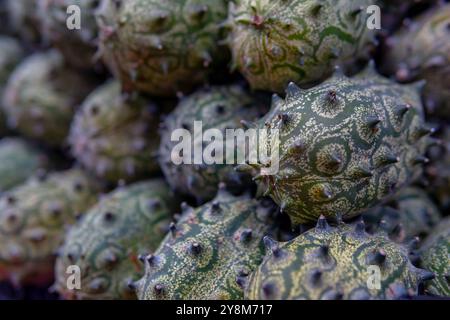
96	204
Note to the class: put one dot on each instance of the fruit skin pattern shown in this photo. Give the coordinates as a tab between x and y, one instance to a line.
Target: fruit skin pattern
409	214
77	45
10	55
115	136
106	244
435	256
209	252
162	47
333	263
18	161
276	42
220	107
344	146
33	218
422	51
41	96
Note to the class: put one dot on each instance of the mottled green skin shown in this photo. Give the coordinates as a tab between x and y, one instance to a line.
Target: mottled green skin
24	20
162	47
33	218
218	108
332	263
436	258
275	42
344	146
411	210
106	244
77	46
41	96
10	55
115	136
422	51
18	161
224	259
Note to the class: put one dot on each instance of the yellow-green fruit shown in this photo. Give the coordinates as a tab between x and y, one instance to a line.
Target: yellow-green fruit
115	135
18	161
106	244
209	253
77	45
435	256
33	219
275	42
41	96
340	262
344	146
162	47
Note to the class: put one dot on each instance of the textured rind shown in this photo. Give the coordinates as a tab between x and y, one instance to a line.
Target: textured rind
106	244
409	214
344	146
115	136
41	96
421	50
18	161
275	42
10	55
209	253
33	218
436	258
77	45
24	20
162	47
221	107
333	263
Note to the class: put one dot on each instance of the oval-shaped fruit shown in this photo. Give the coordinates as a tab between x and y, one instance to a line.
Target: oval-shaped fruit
215	110
162	47
276	42
115	135
33	219
209	253
41	96
344	146
107	243
340	262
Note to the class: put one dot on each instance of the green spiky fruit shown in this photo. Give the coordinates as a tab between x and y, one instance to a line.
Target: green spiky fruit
333	263
18	161
421	50
115	136
24	20
275	42
209	252
218	108
77	45
344	146
411	213
436	258
107	243
10	55
41	96
33	218
162	48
